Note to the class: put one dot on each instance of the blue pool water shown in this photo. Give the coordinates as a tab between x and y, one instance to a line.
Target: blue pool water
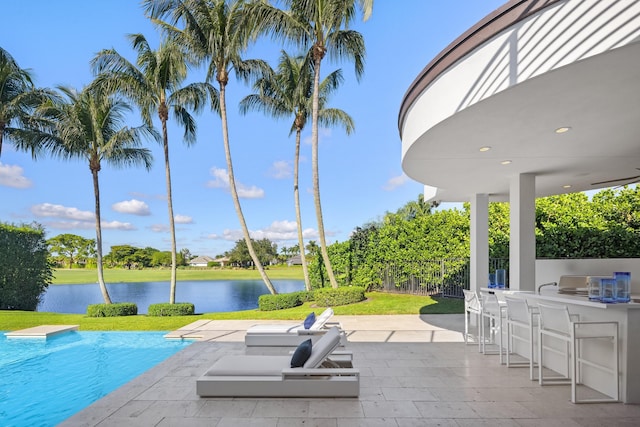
43	382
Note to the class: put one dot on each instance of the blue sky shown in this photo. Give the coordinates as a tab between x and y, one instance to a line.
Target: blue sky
361	176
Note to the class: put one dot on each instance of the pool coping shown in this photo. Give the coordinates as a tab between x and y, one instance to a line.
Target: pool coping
42	331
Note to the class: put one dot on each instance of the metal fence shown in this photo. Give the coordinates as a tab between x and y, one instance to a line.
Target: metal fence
444	277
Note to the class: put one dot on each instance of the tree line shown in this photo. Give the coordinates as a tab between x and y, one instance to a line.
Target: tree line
88	124
607	225
73	251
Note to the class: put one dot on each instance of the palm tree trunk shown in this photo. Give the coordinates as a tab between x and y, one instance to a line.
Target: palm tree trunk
316	179
296	194
172	227
96	192
234	192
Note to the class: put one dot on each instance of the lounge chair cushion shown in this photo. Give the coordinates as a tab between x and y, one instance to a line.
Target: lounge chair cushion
310	320
301	354
323	348
276	328
249	365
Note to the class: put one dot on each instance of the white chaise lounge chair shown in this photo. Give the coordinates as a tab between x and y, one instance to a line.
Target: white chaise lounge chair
326	373
291	335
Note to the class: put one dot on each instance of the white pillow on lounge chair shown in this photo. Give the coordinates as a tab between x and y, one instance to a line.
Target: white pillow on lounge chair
322	319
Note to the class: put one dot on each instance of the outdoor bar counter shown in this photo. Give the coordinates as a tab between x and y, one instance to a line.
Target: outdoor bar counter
628	317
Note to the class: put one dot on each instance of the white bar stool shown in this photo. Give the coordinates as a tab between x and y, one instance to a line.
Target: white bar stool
521	315
473	307
494	312
556	322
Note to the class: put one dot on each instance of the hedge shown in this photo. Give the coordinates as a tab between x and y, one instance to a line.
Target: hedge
270	302
329	297
112	310
166	309
25	271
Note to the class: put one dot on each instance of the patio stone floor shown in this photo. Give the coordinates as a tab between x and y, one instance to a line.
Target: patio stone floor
415	371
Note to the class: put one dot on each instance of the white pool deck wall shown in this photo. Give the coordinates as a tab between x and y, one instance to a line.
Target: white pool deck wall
565	33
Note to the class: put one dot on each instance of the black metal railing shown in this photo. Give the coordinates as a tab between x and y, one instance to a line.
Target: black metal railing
444	277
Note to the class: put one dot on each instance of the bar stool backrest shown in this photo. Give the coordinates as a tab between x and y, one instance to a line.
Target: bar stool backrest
555	318
490	303
471	300
517	309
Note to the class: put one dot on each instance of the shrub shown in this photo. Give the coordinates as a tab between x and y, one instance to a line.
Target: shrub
112	310
25	269
329	297
305	296
270	302
166	309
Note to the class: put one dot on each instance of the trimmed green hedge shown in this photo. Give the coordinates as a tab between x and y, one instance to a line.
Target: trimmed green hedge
166	309
270	302
25	271
329	297
112	310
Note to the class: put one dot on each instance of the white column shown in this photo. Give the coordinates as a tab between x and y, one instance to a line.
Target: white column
479	240
522	242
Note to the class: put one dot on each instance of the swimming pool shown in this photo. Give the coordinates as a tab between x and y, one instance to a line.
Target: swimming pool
43	382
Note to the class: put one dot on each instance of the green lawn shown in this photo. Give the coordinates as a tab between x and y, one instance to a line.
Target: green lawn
376	303
75	276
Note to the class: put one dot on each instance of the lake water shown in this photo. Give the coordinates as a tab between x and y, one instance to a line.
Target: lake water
207	296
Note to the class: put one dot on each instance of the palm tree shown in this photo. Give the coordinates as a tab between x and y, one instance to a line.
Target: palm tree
154	85
89	125
415	208
216	33
324	26
289	92
18	99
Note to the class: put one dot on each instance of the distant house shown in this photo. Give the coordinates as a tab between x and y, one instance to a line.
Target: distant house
200	261
294	260
222	261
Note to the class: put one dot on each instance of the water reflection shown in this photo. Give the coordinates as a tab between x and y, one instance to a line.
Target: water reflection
208	296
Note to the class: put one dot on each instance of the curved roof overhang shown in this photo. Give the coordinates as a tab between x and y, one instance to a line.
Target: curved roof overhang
509	83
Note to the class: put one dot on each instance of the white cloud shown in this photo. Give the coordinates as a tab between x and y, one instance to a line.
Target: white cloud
183	219
164	228
58	211
71	225
89	225
221	180
252	192
281	169
229	235
11	176
117	225
159	228
133	207
322	134
277	231
76	219
395	182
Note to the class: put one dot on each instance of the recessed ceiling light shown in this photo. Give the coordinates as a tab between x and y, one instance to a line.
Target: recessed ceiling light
563	129
485	148
505	162
566	186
